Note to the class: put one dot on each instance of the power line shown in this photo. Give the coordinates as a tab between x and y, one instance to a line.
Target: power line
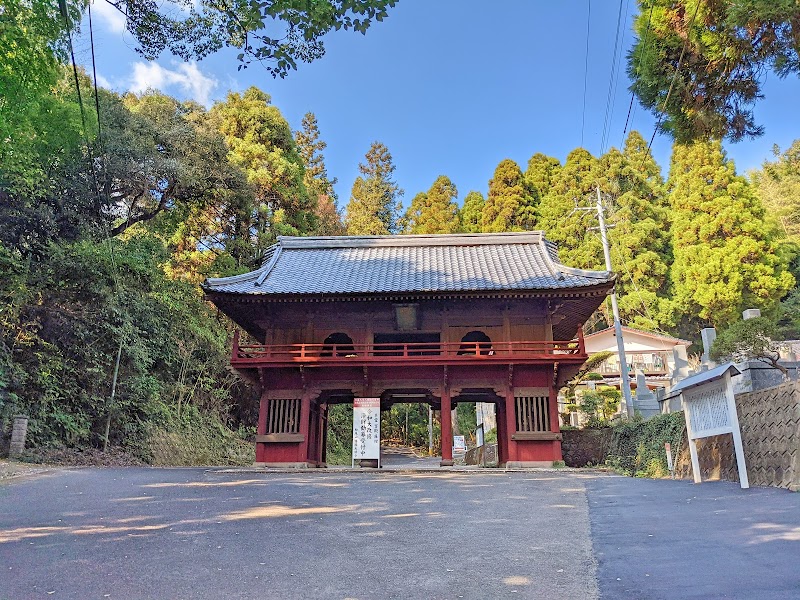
586	69
674	76
612	82
642	49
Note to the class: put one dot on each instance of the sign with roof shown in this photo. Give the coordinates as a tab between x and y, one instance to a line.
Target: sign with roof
710	408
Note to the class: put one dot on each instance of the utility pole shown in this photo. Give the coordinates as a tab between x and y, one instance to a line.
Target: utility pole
625	381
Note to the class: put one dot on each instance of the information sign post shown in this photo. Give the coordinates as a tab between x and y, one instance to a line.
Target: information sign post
367	429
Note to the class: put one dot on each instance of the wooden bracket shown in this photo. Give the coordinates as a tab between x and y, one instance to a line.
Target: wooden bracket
445	377
511	376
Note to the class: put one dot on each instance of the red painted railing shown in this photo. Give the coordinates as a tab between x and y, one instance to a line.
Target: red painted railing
403	353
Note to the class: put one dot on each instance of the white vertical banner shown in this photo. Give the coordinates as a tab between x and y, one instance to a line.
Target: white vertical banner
366	429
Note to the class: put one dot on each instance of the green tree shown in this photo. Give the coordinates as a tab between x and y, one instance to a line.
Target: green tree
318	185
639	233
471	213
778	186
573	183
260	142
750	339
509	204
374	206
724	251
539	176
723	50
434	211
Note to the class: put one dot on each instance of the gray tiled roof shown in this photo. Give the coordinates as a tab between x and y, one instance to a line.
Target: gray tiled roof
410	264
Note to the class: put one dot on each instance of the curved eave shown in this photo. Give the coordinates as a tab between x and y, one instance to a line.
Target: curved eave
600	288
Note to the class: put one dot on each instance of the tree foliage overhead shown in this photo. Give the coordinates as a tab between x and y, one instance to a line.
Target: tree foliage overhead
276	33
374	207
725	259
434	211
724	50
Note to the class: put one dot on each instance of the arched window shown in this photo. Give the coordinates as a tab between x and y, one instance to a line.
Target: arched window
338	344
476	340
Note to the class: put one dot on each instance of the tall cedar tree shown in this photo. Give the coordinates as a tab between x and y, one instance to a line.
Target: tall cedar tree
778	186
574	182
508	206
471	213
725	259
435	211
374	207
539	176
261	143
726	49
318	185
639	233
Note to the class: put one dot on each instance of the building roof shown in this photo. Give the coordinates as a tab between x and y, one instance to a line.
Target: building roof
626	329
410	264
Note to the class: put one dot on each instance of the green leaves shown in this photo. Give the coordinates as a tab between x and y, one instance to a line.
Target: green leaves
699	65
725	257
278	33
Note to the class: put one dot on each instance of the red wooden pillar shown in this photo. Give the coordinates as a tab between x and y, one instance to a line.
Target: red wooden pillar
553	405
324	433
305	423
447	430
510	424
263	407
502	441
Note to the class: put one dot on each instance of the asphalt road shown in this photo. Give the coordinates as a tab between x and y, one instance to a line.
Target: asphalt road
189	533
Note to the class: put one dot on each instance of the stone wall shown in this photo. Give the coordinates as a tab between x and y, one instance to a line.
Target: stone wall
581	447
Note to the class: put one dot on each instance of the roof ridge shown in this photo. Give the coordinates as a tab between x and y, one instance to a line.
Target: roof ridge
441	239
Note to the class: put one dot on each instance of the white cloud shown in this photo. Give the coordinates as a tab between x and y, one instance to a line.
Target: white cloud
186	76
113	19
104	83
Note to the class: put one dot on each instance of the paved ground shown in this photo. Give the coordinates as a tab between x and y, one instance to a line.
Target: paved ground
188	533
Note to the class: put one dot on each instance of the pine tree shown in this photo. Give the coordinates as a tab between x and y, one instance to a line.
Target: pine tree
574	182
374	206
471	213
725	257
318	185
508	206
435	211
639	233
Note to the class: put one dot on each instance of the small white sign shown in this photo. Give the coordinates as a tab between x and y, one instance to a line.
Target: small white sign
366	428
459	444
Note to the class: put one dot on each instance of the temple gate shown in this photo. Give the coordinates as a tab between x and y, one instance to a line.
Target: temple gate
439	319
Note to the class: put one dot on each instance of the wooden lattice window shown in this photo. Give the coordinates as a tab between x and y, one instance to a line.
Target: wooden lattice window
283	416
533	413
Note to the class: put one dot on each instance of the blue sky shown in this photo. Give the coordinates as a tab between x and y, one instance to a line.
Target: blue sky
451	87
